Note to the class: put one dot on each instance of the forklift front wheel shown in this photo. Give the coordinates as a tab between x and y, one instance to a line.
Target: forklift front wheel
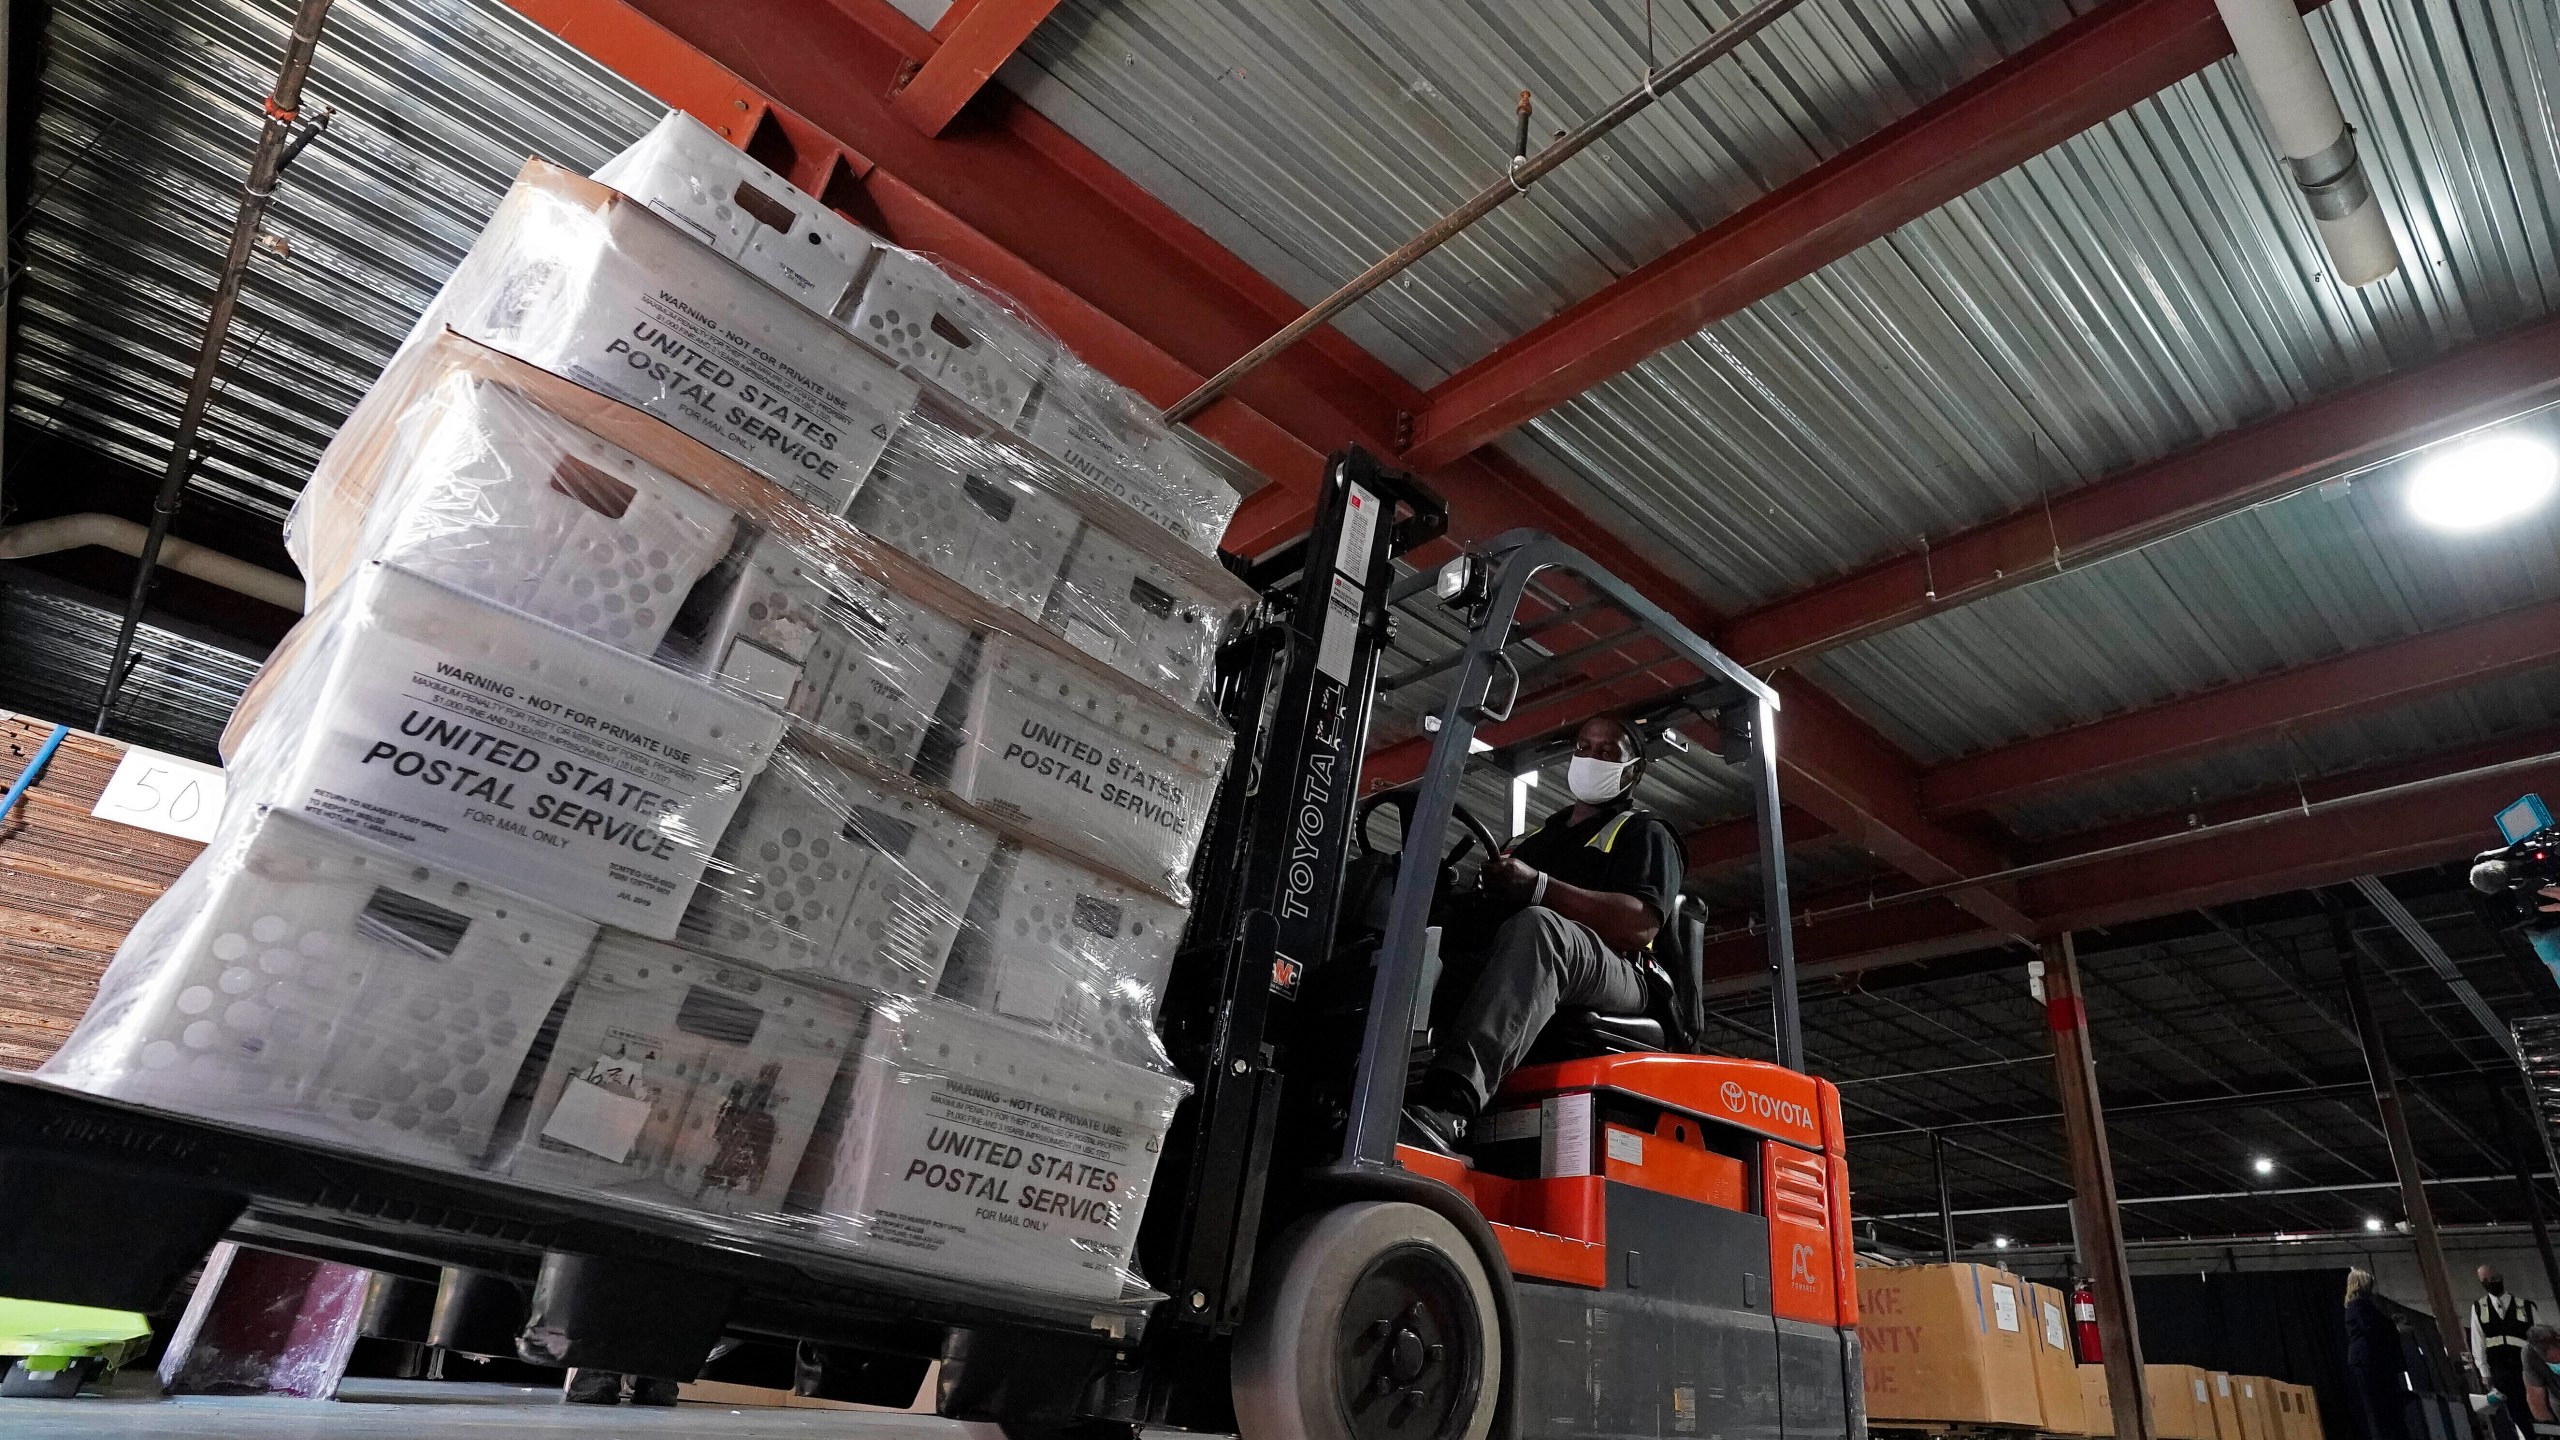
1373	1321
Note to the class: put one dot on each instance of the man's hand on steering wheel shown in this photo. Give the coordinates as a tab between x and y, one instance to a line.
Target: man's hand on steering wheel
1508	879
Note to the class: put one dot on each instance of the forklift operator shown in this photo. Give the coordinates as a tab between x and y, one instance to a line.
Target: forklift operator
1590	889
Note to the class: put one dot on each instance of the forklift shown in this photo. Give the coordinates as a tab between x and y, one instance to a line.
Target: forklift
1640	1240
1637	1240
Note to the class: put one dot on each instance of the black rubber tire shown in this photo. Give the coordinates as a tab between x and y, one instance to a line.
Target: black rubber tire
1292	1358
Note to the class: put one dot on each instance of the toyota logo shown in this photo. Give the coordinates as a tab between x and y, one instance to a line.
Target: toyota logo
1733	1094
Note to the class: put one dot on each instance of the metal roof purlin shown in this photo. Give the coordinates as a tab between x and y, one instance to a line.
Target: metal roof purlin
2092	68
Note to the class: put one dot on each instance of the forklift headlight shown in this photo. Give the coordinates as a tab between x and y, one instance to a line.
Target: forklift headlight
1457	580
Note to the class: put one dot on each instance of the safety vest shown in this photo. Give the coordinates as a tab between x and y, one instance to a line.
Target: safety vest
2502	1331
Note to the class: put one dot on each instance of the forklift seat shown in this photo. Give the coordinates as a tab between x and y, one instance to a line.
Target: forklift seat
1580	1034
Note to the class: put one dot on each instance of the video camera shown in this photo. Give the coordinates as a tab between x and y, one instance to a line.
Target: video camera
2514	876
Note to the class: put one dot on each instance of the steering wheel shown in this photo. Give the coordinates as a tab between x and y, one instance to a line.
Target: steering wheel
1401	801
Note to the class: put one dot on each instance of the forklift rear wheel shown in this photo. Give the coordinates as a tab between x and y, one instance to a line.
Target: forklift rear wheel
1373	1322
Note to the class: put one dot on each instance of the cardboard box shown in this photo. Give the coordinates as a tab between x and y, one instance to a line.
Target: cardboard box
2259	1417
2298	1412
2181	1402
2057	1377
2225	1397
1948	1343
2097	1406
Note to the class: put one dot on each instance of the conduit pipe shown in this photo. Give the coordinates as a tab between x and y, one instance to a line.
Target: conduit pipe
279	141
114	532
2312	134
1526	170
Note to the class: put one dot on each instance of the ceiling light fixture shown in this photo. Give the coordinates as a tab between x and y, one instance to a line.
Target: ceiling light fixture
2373	1222
2477	485
2263	1165
1999	1242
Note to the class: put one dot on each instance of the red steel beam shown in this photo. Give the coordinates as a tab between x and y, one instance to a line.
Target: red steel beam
2391	416
2091	68
972	50
2425	827
2403	670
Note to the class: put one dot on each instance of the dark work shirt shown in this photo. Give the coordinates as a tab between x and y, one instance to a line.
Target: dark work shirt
2373	1342
1642	858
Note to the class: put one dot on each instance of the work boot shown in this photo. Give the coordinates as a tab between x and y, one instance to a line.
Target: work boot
592	1387
1427	1127
650	1390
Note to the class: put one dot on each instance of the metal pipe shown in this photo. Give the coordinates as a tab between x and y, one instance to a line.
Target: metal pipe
1946	1202
114	532
1522	174
283	107
2304	810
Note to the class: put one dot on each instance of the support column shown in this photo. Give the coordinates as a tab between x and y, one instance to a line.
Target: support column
2532	1193
2404	1164
1946	1205
2093	1190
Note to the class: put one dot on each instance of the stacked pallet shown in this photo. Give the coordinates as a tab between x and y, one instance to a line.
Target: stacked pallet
744	759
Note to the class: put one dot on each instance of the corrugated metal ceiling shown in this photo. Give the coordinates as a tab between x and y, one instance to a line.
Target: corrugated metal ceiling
2144	286
149	117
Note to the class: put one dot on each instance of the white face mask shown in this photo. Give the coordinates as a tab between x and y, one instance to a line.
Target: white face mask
1596	782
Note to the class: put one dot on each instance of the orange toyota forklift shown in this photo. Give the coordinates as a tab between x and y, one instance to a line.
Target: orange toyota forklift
1639	1240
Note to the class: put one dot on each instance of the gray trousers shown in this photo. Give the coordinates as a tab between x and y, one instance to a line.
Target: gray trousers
1538	961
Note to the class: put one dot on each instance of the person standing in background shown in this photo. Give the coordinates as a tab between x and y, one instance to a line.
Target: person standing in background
2499	1324
2374	1361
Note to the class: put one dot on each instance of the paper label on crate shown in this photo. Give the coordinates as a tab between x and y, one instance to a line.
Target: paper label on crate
2201	1397
1501	1125
2222	1384
993	1179
152	791
2054	1334
1564	1136
765	674
597	1113
1625	1146
2004	1307
508	768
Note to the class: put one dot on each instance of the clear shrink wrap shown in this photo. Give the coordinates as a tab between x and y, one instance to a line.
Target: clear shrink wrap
833	871
295	979
976	1150
1115	442
1123	781
490	493
682	1080
972	512
584	282
1078	955
466	735
879	661
964	342
726	199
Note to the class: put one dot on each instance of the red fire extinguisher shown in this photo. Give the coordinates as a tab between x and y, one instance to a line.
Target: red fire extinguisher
2084	1324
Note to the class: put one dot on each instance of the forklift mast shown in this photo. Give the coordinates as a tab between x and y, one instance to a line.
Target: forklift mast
1298	683
1297	686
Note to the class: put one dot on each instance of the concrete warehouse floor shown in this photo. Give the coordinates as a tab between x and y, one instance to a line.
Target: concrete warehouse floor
402	1409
